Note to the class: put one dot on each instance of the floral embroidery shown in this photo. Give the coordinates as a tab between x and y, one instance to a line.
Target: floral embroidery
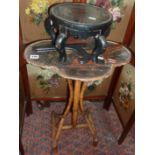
116	12
38	9
113	6
126	92
47	83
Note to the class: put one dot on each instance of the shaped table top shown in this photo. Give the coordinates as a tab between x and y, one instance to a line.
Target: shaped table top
115	55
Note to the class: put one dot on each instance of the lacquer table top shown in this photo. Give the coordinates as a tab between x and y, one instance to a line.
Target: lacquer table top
115	55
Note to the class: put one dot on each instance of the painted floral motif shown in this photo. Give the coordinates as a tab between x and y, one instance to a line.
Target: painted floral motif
126	92
116	12
38	9
115	7
47	81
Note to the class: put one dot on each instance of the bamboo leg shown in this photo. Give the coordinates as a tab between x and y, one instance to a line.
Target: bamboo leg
87	115
53	125
61	122
91	127
76	102
70	84
91	122
57	135
84	86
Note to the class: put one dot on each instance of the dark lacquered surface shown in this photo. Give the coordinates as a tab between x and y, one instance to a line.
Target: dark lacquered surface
81	13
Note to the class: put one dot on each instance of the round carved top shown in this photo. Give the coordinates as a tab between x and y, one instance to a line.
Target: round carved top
80	17
77	13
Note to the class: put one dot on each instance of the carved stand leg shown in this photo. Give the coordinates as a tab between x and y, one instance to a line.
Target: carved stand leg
75	102
57	41
100	45
50	29
60	46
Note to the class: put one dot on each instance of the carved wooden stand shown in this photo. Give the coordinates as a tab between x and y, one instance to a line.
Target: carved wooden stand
76	102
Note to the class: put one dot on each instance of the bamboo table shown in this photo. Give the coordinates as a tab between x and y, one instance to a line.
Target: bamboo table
77	76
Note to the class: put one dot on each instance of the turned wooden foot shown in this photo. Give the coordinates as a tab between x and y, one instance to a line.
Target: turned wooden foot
95	143
91	126
55	150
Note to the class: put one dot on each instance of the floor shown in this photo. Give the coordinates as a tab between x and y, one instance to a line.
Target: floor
37	133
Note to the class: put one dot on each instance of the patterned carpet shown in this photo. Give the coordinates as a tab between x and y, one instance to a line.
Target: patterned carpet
38	130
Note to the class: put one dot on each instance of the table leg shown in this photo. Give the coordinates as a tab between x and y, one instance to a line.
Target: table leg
75	102
84	86
100	45
60	46
91	127
56	134
87	115
77	88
